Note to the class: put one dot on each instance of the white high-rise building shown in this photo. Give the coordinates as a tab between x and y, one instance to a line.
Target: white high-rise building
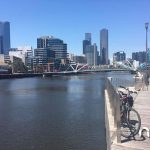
23	52
104	46
4	37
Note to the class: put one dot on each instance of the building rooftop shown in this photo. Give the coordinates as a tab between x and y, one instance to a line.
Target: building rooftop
47	37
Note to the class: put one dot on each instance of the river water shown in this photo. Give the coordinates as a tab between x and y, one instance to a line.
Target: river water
57	113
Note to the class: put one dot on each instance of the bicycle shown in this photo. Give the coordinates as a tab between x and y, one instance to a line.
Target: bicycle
130	121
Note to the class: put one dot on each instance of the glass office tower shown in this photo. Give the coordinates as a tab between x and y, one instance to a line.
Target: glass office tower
54	44
104	46
86	42
4	37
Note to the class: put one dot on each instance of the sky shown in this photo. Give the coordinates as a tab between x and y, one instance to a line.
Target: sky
69	20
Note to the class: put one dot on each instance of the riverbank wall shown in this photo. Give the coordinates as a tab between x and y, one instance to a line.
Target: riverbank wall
49	74
20	75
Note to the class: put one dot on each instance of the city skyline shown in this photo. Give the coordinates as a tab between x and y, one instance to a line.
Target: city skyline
71	20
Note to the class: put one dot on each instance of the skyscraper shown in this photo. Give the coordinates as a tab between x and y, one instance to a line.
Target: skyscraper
86	41
104	46
85	44
88	37
92	54
1	44
4	37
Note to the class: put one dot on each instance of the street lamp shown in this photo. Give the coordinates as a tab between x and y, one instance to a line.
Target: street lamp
146	27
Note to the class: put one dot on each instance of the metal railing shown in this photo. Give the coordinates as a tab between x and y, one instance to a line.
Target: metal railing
116	82
137	83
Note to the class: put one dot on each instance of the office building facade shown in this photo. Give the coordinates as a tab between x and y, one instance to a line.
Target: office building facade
88	37
80	59
53	44
139	56
87	41
85	44
92	55
43	56
104	46
4	37
119	56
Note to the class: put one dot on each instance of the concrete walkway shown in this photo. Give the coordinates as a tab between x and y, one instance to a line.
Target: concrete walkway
142	105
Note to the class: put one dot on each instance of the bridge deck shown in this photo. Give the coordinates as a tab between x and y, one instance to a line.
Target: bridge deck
142	105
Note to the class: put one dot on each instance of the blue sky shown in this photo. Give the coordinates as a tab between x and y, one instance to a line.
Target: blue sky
70	19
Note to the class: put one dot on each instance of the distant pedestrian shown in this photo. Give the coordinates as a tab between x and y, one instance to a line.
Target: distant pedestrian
146	79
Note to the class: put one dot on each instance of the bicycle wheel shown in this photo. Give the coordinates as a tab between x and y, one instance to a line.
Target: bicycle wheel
130	123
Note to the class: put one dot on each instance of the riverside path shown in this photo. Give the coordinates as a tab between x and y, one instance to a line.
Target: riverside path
142	105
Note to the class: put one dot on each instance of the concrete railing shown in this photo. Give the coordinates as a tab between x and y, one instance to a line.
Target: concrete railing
112	115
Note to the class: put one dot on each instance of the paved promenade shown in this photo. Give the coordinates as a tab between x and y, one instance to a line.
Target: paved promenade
142	105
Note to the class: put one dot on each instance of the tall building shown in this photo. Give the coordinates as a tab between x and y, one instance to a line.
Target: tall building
119	56
85	44
1	44
148	56
54	44
104	46
88	37
86	41
92	55
4	37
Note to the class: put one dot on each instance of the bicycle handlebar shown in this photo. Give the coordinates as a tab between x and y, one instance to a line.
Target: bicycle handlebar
122	87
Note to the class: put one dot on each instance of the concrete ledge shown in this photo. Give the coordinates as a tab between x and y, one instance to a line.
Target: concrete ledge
109	123
20	75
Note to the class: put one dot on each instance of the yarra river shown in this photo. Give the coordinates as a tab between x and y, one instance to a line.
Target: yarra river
56	113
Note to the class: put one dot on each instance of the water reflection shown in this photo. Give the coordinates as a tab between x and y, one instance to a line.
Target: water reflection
58	113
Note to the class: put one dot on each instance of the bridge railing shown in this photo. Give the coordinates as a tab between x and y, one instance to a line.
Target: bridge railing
112	114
